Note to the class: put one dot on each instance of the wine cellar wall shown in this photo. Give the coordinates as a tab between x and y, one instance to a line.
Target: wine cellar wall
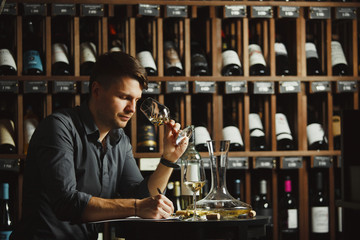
272	76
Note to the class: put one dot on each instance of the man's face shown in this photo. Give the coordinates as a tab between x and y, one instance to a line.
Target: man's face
117	104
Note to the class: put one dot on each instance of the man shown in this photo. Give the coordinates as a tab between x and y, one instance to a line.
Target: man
80	166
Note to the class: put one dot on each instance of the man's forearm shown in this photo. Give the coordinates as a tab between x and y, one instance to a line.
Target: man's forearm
99	209
159	179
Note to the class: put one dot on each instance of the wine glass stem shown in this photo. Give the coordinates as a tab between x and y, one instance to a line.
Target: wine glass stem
194	201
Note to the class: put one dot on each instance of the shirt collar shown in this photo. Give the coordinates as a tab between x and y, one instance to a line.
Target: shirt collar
91	128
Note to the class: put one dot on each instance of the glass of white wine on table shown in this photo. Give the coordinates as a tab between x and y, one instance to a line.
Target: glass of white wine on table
194	179
158	114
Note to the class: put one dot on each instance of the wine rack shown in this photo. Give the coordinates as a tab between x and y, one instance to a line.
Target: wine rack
202	99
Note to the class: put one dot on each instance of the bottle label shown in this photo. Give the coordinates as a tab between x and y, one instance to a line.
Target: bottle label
5	235
311	51
29	128
337	54
230	57
336	124
146	59
147	136
59	53
320	219
201	135
315	133
7	131
256	56
282	127
292	218
280	49
232	133
255	125
6	59
32	60
87	52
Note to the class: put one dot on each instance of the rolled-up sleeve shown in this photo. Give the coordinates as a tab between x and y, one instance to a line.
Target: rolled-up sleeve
55	155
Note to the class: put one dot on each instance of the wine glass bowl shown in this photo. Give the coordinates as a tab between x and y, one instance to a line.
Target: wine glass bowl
194	179
158	114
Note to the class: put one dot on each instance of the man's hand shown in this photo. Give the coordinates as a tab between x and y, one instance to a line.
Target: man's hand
155	207
173	152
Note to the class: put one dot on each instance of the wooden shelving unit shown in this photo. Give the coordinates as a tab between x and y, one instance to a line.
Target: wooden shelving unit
240	26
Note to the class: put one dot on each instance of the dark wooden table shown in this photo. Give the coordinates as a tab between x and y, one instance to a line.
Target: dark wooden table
240	229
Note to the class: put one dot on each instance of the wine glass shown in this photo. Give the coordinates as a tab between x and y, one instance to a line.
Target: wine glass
158	114
194	179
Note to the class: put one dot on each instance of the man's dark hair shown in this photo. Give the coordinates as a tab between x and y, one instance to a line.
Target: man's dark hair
113	66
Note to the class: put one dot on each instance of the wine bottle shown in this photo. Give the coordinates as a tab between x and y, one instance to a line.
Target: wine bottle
59	49
284	139
336	126
199	65
263	205
338	60
257	61
7	62
282	60
177	195
115	41
6	225
7	130
319	211
190	154
313	66
315	132
257	134
288	216
237	189
146	135
88	50
144	51
173	65
32	48
231	65
31	121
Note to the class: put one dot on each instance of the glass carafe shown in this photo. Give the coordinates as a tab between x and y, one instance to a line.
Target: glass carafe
219	199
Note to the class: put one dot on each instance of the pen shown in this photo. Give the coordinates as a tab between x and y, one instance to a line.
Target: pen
159	191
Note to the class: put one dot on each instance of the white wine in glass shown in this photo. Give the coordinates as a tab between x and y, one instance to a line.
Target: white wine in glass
194	179
158	114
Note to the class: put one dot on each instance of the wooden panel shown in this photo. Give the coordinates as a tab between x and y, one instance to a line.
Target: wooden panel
20	123
304	202
187	54
76	46
104	34
328	47
246	64
47	37
271	60
132	33
272	120
160	59
329	120
246	122
19	45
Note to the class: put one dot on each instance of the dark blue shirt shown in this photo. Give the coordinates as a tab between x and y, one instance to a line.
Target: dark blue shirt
66	165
